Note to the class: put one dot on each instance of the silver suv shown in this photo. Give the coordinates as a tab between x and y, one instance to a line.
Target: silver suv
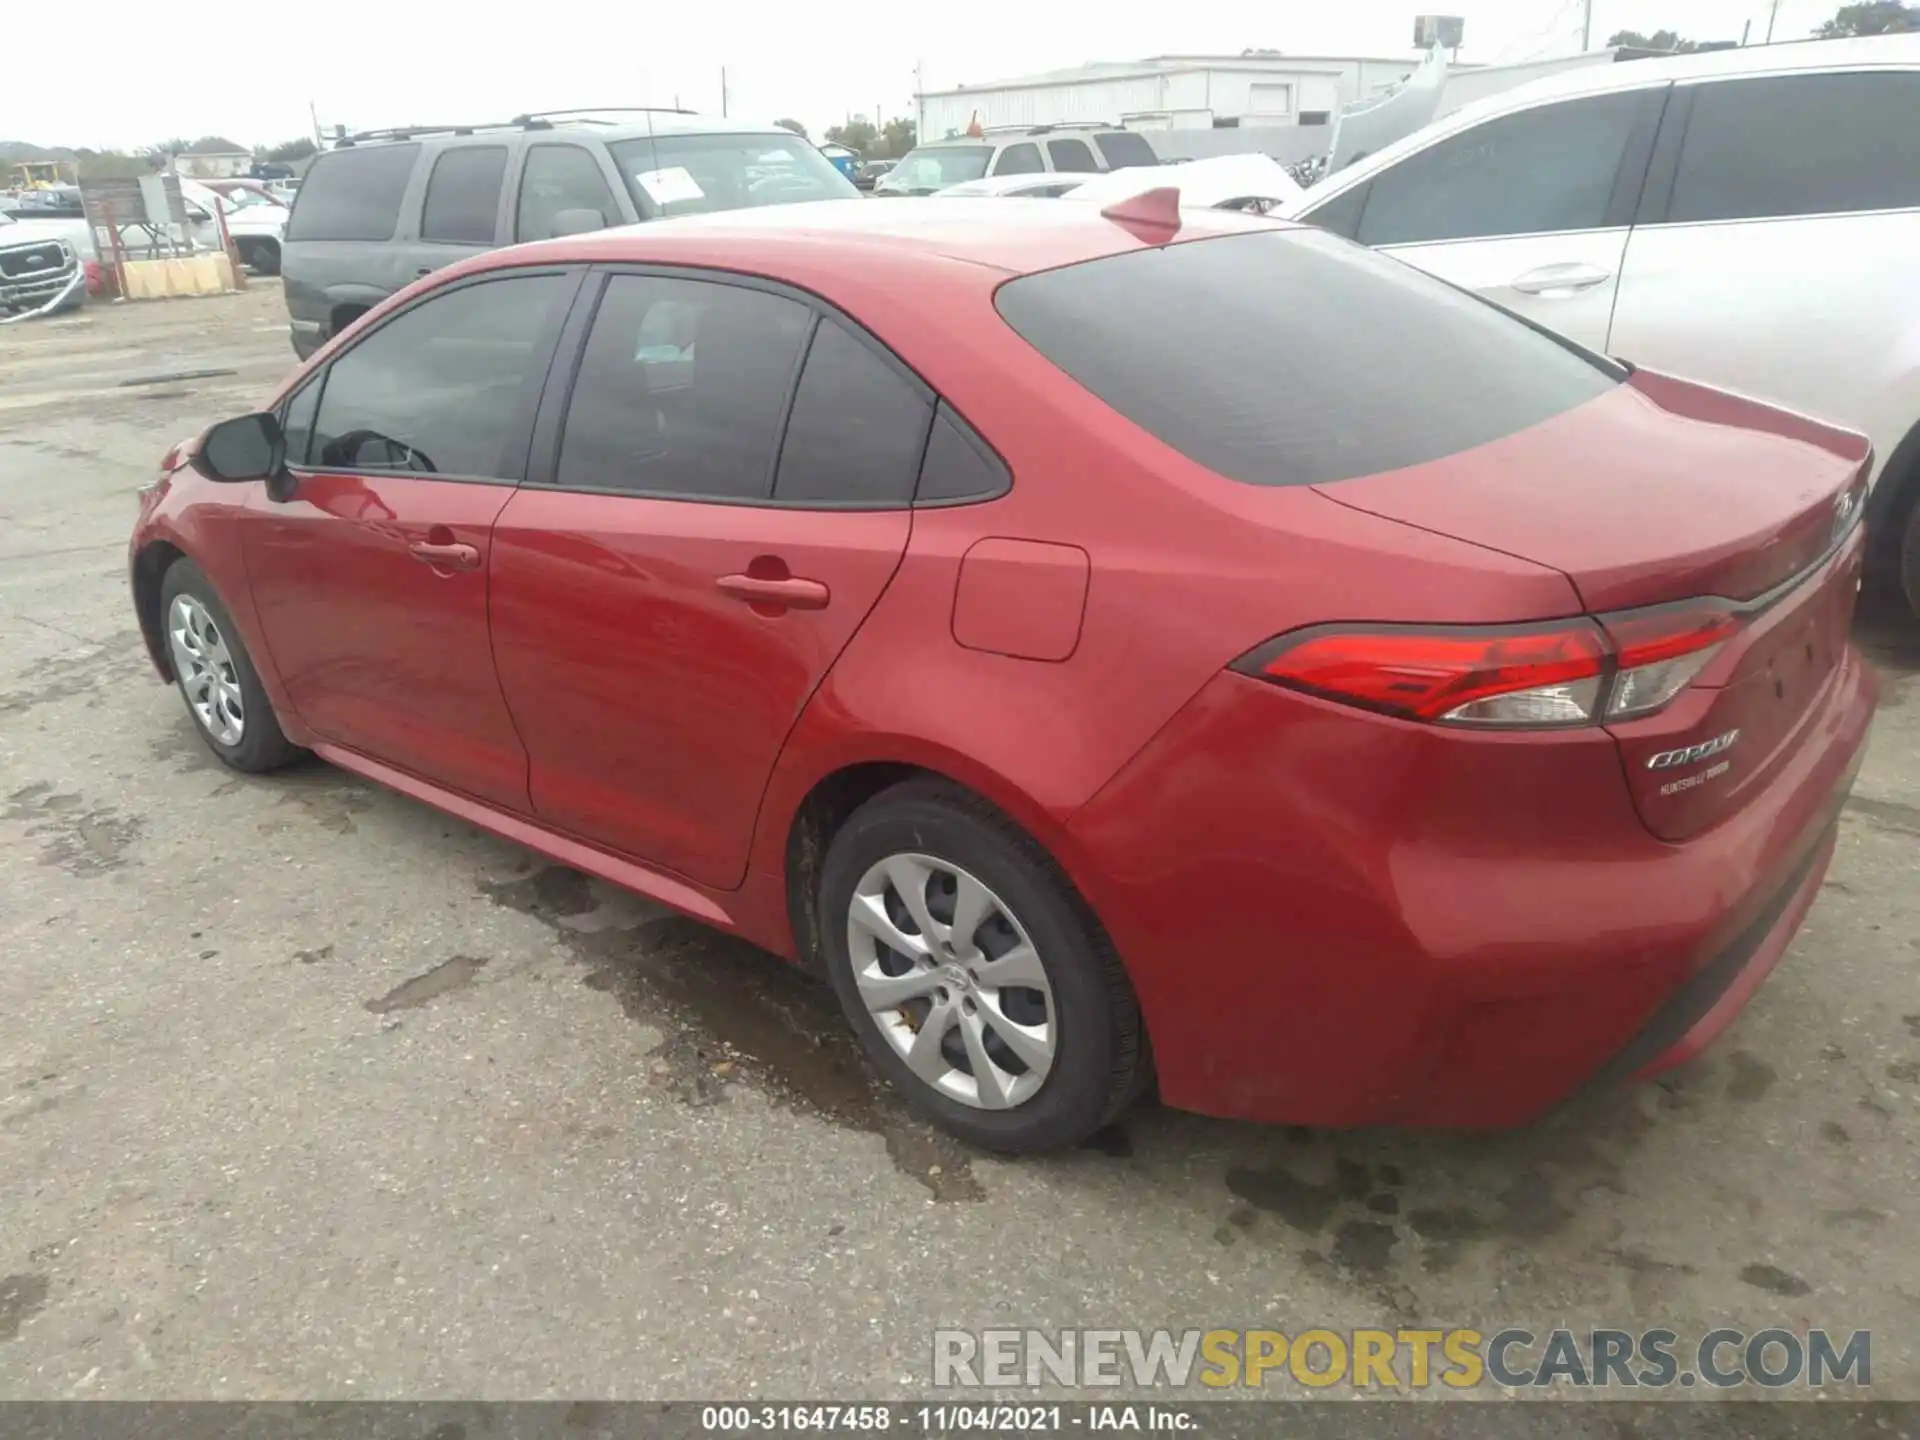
1016	150
385	207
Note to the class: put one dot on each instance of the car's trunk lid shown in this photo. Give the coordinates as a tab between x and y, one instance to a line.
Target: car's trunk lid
1665	492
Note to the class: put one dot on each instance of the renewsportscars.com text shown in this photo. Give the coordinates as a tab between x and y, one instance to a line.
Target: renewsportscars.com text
1459	1359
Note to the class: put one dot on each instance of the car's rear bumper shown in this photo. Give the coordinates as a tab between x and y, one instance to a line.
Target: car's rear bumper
1333	918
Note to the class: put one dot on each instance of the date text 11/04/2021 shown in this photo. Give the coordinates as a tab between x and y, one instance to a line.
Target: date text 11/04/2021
964	1417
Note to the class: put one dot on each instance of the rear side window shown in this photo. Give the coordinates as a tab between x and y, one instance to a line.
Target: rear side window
1123	148
1341	215
1800	145
463	195
1021	159
857	430
1071	155
681	390
958	465
1543	170
558	178
352	194
1291	358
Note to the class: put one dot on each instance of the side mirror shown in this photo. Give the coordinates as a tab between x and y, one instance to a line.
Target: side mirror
577	222
247	447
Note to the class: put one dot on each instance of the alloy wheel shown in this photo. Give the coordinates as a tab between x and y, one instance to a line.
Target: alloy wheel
205	666
953	981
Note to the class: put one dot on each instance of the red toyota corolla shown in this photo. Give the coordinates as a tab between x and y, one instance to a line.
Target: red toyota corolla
1111	648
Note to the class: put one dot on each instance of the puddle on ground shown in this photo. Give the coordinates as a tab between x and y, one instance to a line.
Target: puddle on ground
732	1011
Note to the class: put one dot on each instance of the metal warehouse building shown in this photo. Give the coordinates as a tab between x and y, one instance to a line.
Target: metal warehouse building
1197	92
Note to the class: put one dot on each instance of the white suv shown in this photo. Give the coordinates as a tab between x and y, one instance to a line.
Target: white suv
1750	218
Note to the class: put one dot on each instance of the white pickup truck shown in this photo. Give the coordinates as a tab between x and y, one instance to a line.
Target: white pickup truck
43	266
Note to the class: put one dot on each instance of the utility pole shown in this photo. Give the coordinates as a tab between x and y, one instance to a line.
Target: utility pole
1772	15
314	115
723	91
919	105
1586	27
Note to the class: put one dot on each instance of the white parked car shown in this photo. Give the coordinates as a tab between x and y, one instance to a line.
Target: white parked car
1750	218
1239	182
256	223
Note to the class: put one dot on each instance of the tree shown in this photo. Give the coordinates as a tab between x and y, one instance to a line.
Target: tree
1666	40
1874	17
857	135
794	125
287	150
901	135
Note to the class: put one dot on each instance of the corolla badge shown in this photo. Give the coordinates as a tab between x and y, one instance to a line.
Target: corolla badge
1668	759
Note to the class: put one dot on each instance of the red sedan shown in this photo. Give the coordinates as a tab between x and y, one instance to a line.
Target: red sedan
1111	648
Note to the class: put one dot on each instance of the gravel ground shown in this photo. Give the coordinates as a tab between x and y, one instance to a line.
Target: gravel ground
308	1091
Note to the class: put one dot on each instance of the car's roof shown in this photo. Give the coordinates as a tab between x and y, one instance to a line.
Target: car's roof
1712	64
1011	236
656	124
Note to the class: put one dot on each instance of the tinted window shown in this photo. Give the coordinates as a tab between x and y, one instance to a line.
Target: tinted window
1341	215
685	174
352	194
681	389
922	172
1291	357
1021	159
857	430
958	465
297	420
1800	145
1550	168
1125	148
463	195
442	389
1071	155
558	178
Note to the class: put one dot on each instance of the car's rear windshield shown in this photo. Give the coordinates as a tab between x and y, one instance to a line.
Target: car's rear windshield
353	194
1292	357
923	171
687	174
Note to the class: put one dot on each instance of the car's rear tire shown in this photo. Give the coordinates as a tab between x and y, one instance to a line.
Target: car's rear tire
215	676
1039	1040
263	258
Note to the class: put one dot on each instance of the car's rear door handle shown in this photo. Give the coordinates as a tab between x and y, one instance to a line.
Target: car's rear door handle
1557	280
792	592
445	557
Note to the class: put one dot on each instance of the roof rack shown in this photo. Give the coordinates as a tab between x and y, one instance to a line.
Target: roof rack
414	132
532	120
533	116
1048	129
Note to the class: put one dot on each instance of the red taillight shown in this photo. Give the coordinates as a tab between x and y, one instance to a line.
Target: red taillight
1569	672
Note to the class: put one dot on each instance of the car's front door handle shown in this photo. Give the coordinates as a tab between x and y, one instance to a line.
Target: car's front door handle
1554	281
791	592
445	557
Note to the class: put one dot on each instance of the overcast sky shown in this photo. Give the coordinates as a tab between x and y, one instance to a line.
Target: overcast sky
249	72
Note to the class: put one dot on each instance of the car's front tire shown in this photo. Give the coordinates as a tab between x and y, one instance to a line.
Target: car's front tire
978	982
216	677
1910	558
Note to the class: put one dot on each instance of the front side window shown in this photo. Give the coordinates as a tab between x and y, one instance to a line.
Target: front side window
1288	357
1123	148
1551	168
442	389
681	389
1021	159
1800	145
463	195
674	174
555	180
1072	156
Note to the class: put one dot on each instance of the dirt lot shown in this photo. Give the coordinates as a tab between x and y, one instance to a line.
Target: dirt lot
306	1090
